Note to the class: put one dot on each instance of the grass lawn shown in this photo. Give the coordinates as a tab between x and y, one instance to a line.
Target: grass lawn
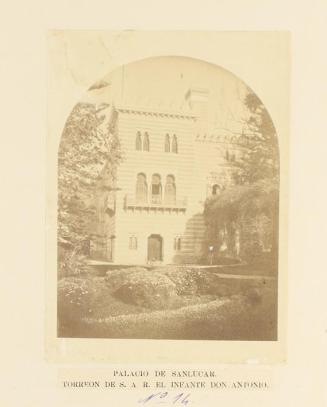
167	303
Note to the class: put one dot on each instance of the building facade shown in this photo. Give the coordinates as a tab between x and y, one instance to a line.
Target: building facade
172	162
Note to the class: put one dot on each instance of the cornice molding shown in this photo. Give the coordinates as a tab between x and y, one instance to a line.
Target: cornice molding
147	111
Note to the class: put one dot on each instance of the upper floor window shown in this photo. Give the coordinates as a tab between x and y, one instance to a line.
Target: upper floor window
141	188
227	155
170	190
138	141
174	145
215	189
171	144
167	144
146	142
142	143
156	189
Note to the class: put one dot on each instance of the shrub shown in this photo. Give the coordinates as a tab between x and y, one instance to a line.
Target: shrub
70	262
185	279
74	299
117	277
148	289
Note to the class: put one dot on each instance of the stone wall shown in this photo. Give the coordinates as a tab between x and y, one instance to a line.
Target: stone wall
199	165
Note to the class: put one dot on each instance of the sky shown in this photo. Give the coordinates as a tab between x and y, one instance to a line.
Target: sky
161	83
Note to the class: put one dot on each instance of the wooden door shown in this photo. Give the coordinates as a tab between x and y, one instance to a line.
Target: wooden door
155	248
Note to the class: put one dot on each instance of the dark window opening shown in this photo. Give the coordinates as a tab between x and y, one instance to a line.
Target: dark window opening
86	247
156	189
141	188
167	144
215	189
174	144
138	142
177	243
146	142
170	190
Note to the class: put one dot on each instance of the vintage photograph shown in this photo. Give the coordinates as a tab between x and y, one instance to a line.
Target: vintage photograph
168	207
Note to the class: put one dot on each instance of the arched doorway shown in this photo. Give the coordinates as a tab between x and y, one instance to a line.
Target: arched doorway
155	248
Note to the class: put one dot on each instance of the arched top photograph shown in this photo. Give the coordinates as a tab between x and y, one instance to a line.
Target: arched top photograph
162	140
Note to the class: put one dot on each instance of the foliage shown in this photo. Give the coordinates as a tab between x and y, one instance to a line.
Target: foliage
88	145
117	277
252	209
261	158
147	289
70	261
73	300
240	201
241	309
251	203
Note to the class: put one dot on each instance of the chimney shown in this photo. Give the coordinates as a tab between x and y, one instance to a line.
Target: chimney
197	99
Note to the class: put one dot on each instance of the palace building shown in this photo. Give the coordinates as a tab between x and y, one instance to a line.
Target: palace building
172	162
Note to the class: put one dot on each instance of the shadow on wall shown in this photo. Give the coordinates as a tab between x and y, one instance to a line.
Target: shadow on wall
196	247
193	247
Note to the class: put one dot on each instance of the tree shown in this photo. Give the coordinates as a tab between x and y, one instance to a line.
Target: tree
89	143
250	206
239	204
261	158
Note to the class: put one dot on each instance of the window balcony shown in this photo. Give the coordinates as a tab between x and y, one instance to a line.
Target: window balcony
155	202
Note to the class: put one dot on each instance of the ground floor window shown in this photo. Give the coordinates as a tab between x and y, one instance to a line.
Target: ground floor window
177	243
133	243
110	248
86	247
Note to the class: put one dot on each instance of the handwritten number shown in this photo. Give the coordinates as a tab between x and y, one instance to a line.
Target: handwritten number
181	398
148	398
177	398
184	401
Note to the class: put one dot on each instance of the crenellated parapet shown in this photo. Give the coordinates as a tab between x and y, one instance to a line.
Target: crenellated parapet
147	111
241	141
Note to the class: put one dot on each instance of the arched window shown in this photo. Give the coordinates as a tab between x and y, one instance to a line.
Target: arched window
156	189
146	142
215	189
177	244
86	247
132	243
138	141
167	144
141	188
170	190
174	146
